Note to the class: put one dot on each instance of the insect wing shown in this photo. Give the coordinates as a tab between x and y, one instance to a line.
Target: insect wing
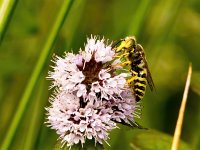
149	77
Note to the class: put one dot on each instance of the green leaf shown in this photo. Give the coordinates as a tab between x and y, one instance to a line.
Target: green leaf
154	140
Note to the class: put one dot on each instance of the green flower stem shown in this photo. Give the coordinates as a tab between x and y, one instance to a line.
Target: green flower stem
6	9
36	72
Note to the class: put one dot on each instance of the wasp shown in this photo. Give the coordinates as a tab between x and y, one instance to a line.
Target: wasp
133	56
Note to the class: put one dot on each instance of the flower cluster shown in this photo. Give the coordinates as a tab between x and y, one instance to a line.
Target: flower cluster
90	96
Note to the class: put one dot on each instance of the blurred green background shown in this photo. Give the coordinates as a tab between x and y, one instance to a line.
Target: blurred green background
168	30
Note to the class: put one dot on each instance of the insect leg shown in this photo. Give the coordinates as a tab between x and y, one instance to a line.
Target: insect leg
122	64
129	81
123	55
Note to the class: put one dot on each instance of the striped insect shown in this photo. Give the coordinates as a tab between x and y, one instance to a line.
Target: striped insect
134	57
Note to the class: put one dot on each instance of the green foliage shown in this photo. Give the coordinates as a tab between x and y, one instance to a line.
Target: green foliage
6	7
154	140
195	84
168	30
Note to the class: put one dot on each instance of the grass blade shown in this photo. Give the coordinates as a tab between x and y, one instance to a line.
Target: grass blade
139	17
6	9
36	72
36	116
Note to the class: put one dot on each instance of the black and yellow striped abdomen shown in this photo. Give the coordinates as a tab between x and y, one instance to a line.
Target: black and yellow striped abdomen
139	73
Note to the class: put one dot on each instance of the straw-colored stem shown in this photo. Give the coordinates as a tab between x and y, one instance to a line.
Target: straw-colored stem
179	123
35	75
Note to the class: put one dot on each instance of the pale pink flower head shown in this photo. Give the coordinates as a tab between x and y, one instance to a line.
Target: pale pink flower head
91	96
